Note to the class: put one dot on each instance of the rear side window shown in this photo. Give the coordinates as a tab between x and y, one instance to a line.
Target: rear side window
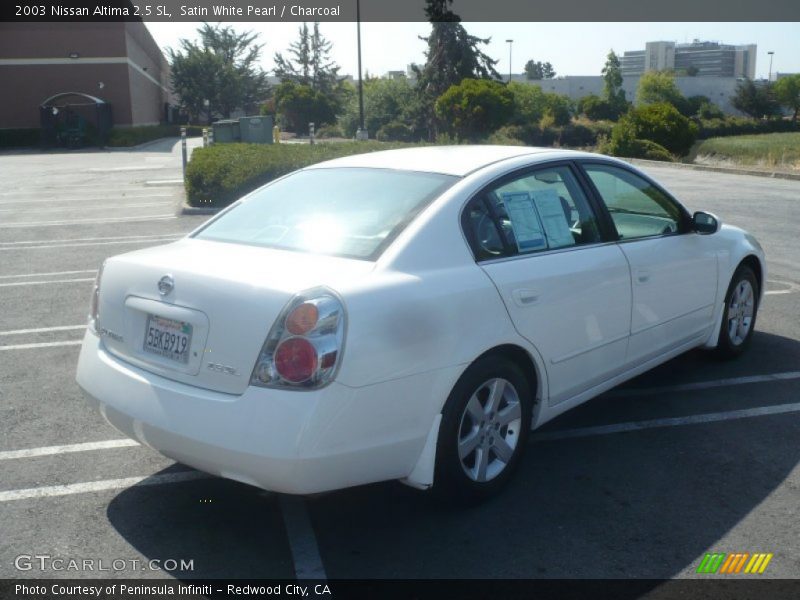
350	212
540	210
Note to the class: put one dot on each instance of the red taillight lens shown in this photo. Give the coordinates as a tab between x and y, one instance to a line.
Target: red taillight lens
302	319
295	359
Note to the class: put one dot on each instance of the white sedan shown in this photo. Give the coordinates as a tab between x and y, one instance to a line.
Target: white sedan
409	314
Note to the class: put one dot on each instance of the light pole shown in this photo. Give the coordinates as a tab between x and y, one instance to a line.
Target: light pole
510	43
771	54
362	133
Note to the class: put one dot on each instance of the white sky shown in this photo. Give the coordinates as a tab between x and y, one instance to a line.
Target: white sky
572	48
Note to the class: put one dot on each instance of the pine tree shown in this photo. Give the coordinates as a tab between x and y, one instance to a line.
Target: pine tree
452	56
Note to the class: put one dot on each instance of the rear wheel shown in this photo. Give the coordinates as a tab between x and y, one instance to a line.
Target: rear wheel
484	427
739	317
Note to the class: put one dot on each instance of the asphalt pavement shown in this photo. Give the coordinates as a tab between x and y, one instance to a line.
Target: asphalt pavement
694	457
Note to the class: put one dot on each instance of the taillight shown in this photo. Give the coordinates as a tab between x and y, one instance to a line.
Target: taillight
94	302
304	346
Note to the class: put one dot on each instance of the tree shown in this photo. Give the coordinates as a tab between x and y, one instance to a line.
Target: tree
452	56
787	92
475	108
535	70
613	93
301	104
530	103
754	100
692	71
220	73
659	86
309	61
385	101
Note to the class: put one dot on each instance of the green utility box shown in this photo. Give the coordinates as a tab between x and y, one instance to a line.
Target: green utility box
256	130
226	131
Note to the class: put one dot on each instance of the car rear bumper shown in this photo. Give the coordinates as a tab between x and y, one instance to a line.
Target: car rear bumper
286	441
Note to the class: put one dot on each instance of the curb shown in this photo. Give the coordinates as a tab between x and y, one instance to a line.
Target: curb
185	209
729	170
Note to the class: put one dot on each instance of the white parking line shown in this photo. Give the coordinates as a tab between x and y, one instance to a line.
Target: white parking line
47	274
704	385
160	217
41	345
80	207
85	244
88	239
302	541
100	486
68	448
666	422
77	200
18	283
43	329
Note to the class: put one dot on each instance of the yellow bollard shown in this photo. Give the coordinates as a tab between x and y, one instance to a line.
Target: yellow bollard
276	135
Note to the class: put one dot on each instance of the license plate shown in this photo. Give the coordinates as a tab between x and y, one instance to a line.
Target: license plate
168	338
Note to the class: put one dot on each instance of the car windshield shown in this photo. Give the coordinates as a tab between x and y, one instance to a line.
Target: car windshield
350	212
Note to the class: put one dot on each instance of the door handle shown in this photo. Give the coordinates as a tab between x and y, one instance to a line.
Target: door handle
525	298
643	276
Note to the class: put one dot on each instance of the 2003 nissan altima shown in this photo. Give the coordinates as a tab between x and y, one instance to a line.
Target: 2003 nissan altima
409	315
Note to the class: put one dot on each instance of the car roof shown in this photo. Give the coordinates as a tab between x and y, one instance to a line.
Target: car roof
448	160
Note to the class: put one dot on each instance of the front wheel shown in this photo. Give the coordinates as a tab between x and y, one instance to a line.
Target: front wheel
739	316
484	427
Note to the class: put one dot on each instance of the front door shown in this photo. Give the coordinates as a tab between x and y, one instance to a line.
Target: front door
673	270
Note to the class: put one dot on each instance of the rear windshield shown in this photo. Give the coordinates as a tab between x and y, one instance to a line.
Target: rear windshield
351	212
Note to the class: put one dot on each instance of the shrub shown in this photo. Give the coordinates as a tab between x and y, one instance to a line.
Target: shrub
558	110
220	174
623	142
395	131
18	138
385	101
329	131
599	109
474	108
660	123
720	127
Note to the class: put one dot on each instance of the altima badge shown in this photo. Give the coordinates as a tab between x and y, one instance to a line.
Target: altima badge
165	285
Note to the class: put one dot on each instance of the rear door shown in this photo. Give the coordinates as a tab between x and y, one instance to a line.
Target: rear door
673	270
567	290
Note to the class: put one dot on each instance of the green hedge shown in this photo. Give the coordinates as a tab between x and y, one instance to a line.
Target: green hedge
222	173
133	136
18	138
742	126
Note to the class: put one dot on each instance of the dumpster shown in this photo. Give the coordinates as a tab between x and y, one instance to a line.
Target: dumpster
226	131
256	130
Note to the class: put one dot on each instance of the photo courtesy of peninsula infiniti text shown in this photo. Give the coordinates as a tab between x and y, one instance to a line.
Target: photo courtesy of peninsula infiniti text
409	315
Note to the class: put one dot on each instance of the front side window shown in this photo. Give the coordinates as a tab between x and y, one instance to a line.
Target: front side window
637	207
541	210
350	212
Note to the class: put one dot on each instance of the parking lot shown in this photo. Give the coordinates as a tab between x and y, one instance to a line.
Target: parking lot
696	456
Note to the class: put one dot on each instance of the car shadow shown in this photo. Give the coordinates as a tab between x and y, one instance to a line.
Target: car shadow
643	504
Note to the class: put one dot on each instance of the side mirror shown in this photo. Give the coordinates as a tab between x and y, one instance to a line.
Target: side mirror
705	223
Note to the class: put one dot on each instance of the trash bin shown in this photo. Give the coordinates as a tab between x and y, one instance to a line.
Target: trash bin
226	131
256	130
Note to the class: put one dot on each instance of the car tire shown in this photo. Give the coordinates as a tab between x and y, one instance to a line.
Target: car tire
739	315
484	428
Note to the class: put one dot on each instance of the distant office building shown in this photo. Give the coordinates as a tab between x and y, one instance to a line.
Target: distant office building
703	59
116	65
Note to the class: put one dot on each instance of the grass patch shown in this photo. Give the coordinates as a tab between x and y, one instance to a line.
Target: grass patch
222	173
768	149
